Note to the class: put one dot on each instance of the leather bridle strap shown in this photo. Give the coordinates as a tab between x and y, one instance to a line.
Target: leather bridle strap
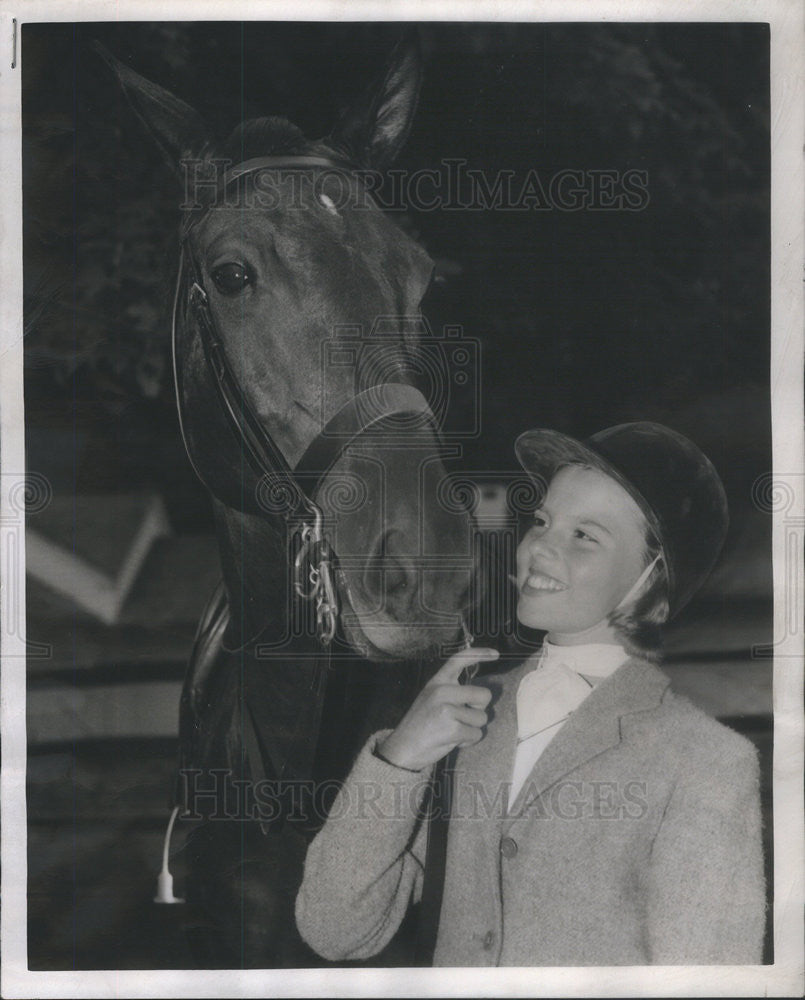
359	415
286	163
259	448
260	451
313	562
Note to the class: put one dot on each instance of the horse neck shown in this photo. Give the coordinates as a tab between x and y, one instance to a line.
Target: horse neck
254	562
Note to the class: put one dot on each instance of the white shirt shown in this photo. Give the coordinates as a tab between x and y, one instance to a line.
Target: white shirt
562	678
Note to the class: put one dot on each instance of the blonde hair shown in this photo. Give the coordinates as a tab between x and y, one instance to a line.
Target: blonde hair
639	623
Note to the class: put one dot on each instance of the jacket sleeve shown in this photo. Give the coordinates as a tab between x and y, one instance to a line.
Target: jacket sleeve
706	891
365	865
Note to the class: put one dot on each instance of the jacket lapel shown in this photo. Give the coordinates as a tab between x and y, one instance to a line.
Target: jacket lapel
594	727
490	762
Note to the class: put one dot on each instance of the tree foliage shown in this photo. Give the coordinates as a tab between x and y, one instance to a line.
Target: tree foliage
586	307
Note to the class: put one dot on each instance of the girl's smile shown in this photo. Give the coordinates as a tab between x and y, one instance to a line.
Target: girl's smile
581	556
539	582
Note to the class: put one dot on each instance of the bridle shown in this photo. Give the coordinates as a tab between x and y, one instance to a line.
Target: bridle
298	487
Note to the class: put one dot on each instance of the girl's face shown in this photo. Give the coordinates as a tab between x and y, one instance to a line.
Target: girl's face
581	556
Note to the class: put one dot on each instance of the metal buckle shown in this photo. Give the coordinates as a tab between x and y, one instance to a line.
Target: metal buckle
196	289
315	556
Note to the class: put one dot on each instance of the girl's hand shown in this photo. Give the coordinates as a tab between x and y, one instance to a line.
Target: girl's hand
445	714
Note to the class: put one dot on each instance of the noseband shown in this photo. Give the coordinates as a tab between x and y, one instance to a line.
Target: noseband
298	486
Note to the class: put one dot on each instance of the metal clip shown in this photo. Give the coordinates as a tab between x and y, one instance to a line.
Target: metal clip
326	603
469	672
196	289
314	553
303	559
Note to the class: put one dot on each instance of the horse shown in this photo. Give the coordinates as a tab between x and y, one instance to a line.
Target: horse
296	329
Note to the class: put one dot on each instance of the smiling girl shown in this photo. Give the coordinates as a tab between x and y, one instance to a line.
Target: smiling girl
597	817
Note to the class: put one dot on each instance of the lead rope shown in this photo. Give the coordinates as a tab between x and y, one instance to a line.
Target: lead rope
165	879
440	801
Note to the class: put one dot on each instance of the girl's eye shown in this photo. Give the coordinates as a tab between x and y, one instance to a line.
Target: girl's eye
584	536
232	278
539	520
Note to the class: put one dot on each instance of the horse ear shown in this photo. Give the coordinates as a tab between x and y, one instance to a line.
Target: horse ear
177	128
374	130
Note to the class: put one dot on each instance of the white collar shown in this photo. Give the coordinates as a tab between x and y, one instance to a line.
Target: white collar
590	659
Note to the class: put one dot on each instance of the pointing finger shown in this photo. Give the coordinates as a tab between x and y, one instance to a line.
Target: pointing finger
451	669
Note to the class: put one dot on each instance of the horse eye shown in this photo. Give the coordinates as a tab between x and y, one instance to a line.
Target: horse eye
231	278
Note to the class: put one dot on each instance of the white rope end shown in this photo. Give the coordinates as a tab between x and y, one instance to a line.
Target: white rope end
165	889
165	879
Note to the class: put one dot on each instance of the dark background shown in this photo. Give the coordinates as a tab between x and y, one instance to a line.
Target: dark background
585	319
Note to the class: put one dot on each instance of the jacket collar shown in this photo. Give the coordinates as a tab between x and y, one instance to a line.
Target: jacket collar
636	686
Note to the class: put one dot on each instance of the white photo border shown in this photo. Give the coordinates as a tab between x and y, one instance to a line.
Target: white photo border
785	977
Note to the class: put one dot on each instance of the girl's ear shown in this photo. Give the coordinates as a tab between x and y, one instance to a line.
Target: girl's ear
178	130
373	131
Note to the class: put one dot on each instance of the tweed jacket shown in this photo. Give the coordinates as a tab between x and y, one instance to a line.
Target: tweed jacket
635	840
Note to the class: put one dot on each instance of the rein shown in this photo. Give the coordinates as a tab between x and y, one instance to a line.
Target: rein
313	572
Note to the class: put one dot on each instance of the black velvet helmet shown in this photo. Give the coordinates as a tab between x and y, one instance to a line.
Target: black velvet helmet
670	479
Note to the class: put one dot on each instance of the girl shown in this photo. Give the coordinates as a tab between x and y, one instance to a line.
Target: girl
597	818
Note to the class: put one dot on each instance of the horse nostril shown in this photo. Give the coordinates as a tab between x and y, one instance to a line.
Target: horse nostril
390	579
397	578
400	587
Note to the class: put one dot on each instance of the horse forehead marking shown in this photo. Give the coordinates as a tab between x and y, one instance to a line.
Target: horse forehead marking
328	203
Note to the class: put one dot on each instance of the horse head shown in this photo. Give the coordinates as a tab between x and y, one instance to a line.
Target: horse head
307	300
